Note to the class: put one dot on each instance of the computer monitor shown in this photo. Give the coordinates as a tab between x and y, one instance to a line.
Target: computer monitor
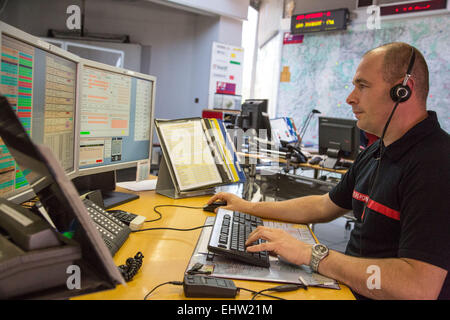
254	116
283	130
338	138
40	82
116	124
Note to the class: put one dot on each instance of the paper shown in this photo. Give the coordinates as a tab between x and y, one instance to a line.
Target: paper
189	154
144	185
143	168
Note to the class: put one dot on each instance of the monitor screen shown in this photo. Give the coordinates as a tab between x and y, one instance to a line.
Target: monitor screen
339	136
116	111
40	83
283	130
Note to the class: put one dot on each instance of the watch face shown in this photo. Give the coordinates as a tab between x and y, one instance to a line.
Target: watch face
320	248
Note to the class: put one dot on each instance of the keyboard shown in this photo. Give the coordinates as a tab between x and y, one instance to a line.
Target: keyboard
230	231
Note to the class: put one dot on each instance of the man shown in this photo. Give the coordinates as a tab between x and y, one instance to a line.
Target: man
402	233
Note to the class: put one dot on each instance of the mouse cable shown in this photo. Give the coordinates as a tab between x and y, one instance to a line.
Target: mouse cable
169	205
174	229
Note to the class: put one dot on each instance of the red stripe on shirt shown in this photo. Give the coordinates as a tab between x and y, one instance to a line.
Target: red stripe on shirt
375	206
388	212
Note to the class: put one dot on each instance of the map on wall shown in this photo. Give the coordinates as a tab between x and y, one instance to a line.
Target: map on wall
322	68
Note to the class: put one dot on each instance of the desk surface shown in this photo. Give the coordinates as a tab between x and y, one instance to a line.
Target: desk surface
293	164
167	253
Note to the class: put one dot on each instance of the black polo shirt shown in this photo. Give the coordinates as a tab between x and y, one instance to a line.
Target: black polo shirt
408	212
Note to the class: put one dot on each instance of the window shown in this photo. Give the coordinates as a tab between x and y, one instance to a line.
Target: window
249	31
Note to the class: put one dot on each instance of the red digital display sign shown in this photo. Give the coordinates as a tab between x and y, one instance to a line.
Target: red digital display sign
413	7
319	21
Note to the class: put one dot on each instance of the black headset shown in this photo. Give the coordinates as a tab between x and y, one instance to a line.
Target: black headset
402	92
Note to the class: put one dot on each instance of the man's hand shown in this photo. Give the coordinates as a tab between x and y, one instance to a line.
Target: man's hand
281	243
234	203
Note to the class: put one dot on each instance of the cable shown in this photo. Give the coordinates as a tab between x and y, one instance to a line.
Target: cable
281	288
131	267
260	293
174	229
176	283
169	205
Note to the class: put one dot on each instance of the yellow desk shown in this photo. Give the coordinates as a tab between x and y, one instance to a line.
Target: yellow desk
167	253
294	165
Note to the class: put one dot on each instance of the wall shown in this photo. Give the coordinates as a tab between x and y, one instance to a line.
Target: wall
322	67
304	6
236	9
180	41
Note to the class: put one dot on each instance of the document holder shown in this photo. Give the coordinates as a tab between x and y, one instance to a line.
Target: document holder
166	186
182	140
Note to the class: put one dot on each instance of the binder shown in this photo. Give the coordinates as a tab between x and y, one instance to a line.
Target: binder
183	143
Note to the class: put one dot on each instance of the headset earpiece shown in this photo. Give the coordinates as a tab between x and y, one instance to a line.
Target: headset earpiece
400	93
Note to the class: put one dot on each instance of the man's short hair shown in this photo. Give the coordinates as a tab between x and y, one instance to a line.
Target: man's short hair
395	64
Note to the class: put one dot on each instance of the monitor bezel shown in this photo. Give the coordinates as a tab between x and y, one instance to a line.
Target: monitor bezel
27	193
109	68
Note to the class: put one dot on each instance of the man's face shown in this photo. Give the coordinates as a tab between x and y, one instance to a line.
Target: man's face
370	99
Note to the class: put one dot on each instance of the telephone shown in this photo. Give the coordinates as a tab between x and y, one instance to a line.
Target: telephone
295	152
29	248
112	230
26	229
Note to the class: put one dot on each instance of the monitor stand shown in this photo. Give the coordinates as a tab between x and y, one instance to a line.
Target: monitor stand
106	183
332	159
330	163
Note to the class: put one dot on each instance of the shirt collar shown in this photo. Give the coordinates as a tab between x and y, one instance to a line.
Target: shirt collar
399	147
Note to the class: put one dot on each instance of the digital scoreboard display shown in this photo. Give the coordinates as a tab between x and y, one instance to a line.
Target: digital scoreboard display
413	7
328	20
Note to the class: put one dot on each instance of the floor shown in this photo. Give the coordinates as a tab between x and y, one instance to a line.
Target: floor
333	234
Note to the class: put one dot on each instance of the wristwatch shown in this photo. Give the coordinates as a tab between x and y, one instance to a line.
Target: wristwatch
318	253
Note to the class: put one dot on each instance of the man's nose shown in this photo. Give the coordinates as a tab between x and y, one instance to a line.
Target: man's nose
352	98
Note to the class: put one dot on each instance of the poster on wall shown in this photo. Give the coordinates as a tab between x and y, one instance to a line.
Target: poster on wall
225	75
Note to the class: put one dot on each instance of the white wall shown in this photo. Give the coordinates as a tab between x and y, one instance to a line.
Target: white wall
180	41
304	6
236	9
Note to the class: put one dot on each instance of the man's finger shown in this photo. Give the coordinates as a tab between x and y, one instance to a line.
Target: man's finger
259	233
265	246
215	197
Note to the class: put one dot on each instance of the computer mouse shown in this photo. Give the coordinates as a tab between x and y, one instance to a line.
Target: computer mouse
315	160
211	207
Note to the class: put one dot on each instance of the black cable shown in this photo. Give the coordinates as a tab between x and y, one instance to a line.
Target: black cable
260	293
281	288
174	229
131	267
169	205
176	283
